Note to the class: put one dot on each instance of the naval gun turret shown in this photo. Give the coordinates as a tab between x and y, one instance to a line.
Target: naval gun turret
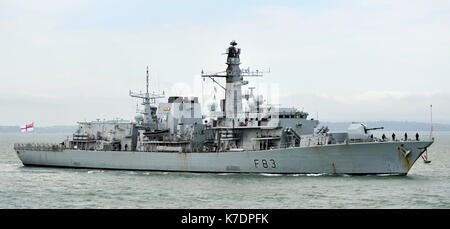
359	131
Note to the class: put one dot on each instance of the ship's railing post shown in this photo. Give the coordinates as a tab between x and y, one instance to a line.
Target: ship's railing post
38	146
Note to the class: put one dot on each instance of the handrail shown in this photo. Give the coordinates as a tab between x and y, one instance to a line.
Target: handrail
39	147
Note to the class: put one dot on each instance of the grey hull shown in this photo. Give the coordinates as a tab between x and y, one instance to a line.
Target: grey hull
356	158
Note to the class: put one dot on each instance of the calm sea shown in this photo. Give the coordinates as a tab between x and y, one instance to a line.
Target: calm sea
426	186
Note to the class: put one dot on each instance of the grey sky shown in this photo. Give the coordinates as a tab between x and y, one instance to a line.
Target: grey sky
71	60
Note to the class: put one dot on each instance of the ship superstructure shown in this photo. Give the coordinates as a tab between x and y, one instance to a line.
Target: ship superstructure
175	135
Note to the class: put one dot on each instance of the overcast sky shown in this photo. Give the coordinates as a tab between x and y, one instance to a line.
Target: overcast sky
63	61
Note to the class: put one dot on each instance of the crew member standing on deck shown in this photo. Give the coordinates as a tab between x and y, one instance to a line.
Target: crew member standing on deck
417	136
393	136
406	136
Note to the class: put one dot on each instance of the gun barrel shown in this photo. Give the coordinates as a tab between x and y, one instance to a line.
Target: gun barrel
375	128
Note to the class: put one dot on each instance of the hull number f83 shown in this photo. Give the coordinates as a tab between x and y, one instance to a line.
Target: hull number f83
265	163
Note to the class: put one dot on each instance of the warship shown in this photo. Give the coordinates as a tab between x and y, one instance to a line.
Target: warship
174	135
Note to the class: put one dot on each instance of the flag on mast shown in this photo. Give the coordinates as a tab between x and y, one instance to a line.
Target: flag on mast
27	127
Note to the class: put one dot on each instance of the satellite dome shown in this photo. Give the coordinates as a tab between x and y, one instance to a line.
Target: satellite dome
212	105
139	117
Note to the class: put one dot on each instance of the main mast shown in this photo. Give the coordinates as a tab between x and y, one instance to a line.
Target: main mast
149	102
232	104
234	82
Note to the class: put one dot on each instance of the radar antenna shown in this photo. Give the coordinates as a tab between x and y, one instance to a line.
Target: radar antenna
149	100
147	79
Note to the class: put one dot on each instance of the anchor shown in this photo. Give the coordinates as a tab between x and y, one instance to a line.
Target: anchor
425	156
404	150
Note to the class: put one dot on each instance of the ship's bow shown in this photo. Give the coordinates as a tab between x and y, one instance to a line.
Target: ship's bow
410	152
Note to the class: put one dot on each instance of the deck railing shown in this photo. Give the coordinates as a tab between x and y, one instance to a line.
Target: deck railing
39	147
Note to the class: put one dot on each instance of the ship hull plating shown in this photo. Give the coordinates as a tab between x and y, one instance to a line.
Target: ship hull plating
394	158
